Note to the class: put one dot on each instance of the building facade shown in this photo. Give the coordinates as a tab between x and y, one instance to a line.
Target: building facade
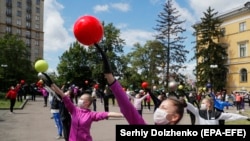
24	18
236	27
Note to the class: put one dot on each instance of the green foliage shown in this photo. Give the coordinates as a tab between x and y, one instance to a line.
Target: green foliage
210	51
145	64
74	65
15	55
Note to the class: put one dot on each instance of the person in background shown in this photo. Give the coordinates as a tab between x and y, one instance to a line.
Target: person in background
206	115
227	100
55	109
75	92
219	105
137	100
192	99
20	92
44	93
11	95
106	94
93	95
238	99
148	101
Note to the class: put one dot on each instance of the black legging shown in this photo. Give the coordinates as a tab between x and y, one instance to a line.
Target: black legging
66	128
12	104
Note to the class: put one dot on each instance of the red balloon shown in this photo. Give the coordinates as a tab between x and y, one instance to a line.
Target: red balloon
124	89
88	30
22	81
96	86
144	85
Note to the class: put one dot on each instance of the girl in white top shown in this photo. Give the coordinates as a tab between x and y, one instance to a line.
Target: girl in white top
138	102
207	116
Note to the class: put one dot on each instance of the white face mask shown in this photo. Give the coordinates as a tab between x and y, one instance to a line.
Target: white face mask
160	117
203	106
80	103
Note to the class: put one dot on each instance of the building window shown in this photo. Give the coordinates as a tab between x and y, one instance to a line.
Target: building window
37	26
37	43
19	4
8	20
28	17
37	35
28	34
37	18
243	75
18	31
19	13
8	29
242	26
37	10
28	43
242	47
19	22
38	2
28	25
8	12
223	31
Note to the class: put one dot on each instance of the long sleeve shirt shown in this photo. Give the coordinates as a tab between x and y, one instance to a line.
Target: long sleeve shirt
81	121
220	104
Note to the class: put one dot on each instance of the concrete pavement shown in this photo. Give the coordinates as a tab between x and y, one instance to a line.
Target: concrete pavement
33	123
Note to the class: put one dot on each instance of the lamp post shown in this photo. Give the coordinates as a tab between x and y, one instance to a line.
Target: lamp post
212	77
4	66
163	74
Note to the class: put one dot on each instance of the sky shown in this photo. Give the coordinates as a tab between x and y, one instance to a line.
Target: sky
136	20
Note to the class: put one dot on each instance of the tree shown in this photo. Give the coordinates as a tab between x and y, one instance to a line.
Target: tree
169	28
14	55
74	65
146	61
210	51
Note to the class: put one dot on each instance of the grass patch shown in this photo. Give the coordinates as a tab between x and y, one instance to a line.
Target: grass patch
240	122
5	103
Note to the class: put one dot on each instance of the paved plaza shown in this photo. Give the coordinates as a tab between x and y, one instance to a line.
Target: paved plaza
33	123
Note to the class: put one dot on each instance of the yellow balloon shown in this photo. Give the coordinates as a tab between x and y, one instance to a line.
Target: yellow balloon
180	87
41	66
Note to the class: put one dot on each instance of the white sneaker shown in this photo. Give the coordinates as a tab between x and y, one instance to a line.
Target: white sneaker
59	137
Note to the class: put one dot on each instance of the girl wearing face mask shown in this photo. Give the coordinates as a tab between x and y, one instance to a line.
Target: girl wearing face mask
206	115
81	115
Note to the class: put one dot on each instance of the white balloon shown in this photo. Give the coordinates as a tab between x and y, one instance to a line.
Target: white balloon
172	84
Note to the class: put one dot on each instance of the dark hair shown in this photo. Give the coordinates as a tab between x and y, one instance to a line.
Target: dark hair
180	105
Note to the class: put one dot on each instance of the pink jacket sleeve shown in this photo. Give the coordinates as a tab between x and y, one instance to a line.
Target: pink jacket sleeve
126	107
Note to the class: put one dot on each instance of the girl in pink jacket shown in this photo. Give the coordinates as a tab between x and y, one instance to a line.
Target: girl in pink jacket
81	115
